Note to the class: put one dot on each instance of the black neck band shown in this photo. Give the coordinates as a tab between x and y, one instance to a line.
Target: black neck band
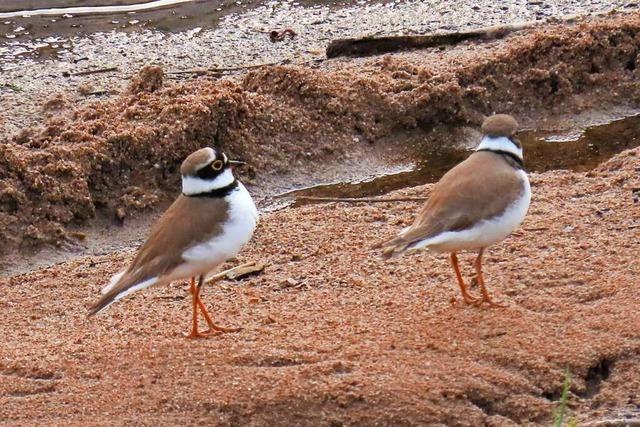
513	157
217	192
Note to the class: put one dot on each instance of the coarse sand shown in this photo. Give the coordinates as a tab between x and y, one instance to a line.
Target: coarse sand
334	336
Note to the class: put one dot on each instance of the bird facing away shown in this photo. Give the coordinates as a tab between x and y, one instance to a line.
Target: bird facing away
206	225
476	204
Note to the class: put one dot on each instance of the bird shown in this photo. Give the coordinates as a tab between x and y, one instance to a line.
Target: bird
209	223
476	204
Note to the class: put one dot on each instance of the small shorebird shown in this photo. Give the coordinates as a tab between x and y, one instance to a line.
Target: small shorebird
476	204
209	223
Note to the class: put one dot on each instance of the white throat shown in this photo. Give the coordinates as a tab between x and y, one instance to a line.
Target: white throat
194	185
500	143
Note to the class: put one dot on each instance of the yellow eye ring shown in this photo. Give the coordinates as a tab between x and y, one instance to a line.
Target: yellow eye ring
217	165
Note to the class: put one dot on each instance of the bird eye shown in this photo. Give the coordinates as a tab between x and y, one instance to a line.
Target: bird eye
217	165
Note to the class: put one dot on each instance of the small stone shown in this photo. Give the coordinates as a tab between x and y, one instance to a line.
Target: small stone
121	214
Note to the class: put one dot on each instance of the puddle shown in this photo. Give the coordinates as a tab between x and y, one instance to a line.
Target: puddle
32	30
25	26
543	151
84	10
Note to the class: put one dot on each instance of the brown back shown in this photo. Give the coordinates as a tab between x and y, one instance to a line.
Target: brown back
187	222
481	187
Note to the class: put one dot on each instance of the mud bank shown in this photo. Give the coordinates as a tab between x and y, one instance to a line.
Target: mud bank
334	336
123	153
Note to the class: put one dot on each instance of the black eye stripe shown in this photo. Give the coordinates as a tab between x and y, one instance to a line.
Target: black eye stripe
208	172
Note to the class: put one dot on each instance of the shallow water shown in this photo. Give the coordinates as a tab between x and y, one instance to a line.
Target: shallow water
543	151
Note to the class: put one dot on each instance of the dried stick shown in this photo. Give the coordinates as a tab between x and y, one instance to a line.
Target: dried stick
221	275
97	71
362	199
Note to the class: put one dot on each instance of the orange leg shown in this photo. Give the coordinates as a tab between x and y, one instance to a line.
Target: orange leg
465	293
485	295
213	328
194	328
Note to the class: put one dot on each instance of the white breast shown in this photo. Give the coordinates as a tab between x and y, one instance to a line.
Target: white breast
485	233
236	232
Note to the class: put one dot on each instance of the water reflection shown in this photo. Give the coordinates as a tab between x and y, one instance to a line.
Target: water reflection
544	151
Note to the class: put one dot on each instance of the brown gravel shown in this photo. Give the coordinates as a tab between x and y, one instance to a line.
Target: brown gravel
334	336
123	153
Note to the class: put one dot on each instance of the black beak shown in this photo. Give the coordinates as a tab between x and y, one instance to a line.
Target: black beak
237	163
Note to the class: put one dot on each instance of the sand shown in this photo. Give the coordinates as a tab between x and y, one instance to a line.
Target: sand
331	334
334	336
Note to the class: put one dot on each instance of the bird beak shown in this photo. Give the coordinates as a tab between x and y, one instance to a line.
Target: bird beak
237	163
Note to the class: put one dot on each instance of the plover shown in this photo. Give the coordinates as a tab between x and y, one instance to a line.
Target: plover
208	223
476	204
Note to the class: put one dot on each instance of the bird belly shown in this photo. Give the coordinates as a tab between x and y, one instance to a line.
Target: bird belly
486	232
236	232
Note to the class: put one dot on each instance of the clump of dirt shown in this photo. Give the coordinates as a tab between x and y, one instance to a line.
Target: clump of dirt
56	103
125	152
332	335
150	78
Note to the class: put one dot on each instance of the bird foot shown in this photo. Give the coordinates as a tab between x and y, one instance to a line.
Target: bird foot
213	330
469	300
216	330
492	303
196	334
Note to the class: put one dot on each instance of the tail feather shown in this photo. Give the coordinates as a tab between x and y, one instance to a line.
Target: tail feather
392	248
113	282
117	291
394	251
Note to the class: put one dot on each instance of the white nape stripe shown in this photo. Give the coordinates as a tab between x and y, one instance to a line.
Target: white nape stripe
193	185
112	282
500	143
133	288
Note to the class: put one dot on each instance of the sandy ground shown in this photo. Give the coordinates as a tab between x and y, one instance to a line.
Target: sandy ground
334	336
331	335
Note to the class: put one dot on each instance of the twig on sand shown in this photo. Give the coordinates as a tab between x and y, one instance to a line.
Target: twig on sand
99	92
223	274
377	45
87	72
223	70
362	199
614	422
536	229
628	227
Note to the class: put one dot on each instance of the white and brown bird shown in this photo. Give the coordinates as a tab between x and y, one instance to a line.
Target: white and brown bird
476	204
209	223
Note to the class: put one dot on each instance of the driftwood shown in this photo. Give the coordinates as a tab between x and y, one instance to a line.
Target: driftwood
376	45
98	71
